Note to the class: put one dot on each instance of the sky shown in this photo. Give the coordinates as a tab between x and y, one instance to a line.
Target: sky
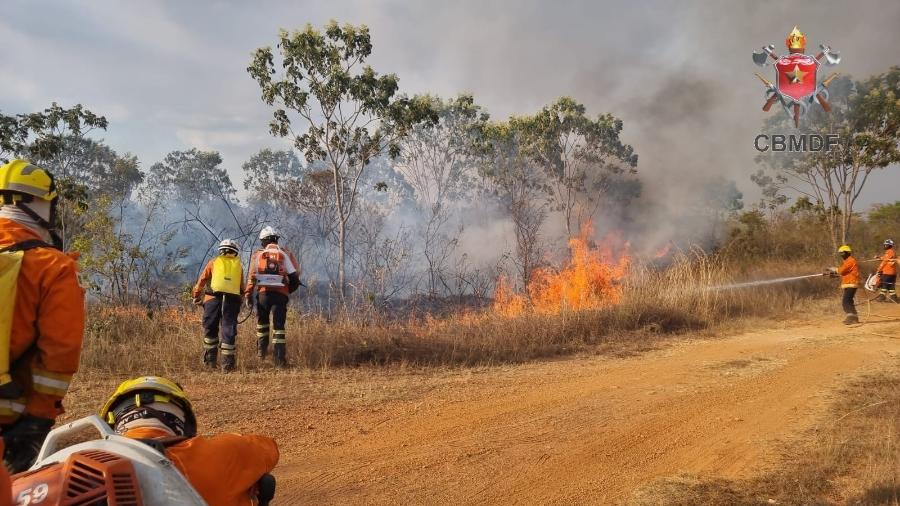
172	75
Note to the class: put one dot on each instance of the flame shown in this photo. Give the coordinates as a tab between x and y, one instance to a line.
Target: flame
796	40
590	279
663	252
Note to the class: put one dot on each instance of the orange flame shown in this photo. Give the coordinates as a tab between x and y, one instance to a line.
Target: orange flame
591	279
663	252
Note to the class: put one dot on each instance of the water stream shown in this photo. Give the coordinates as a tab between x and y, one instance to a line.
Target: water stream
762	282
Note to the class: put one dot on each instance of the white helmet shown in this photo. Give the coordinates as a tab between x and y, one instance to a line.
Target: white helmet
888	242
230	246
267	232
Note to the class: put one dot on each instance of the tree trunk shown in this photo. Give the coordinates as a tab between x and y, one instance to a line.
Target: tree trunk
342	231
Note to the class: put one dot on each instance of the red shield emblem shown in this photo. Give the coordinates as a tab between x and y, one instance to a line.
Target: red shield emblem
796	75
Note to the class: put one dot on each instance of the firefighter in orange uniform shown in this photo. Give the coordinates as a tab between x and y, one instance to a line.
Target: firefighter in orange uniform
224	469
275	272
42	314
887	274
5	484
222	285
849	273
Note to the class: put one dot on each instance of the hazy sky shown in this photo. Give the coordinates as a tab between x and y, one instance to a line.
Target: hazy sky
171	75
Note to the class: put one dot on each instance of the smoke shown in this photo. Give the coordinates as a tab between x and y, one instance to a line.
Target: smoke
678	73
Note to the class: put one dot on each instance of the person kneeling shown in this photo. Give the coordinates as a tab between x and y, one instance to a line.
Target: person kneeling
224	469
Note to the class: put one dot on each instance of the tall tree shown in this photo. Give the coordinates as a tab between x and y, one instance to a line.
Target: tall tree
866	116
583	158
40	136
521	186
351	114
439	161
191	176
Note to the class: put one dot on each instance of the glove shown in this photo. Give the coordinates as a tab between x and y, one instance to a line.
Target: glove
249	301
879	273
198	301
23	442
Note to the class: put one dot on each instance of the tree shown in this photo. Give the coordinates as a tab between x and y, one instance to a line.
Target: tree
191	176
97	168
46	138
583	158
90	174
521	186
866	116
352	115
438	160
40	136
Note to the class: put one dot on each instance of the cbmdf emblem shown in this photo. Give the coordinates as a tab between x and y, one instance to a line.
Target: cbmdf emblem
796	84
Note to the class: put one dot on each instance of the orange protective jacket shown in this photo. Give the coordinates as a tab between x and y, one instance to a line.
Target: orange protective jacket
224	468
888	263
203	282
47	327
5	483
849	271
254	261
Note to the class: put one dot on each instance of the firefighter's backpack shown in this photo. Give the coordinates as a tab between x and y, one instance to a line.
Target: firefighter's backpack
10	265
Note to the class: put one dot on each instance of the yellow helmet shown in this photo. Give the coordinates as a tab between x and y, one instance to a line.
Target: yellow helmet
20	176
845	249
145	390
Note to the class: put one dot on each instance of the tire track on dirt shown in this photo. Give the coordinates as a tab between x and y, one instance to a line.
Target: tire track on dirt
587	430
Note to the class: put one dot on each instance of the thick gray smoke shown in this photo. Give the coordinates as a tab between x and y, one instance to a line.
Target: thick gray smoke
172	76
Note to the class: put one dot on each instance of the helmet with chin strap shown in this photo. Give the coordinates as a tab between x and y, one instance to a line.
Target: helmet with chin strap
22	183
133	400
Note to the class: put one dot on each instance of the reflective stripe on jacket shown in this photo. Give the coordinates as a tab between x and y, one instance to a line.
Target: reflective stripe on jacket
221	468
47	329
849	271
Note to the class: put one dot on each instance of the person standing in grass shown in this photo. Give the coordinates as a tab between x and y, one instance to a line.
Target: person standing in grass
275	273
221	286
887	273
849	273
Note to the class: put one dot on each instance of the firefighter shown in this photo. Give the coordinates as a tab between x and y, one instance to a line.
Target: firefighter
887	274
41	316
275	273
849	273
224	469
221	285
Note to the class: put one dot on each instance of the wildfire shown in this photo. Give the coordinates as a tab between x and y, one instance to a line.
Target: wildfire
663	252
590	279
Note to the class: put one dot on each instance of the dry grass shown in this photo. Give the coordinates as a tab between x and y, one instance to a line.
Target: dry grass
853	457
654	303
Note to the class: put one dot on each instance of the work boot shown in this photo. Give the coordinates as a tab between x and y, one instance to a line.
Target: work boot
228	363
850	319
893	298
279	358
880	298
262	347
209	358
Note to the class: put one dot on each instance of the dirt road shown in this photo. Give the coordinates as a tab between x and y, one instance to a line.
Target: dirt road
586	430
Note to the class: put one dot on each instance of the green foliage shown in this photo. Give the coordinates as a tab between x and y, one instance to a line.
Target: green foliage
191	176
324	73
351	113
583	160
866	116
437	158
40	136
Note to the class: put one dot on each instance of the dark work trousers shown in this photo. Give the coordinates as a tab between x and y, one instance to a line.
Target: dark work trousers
888	284
275	304
224	309
847	301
